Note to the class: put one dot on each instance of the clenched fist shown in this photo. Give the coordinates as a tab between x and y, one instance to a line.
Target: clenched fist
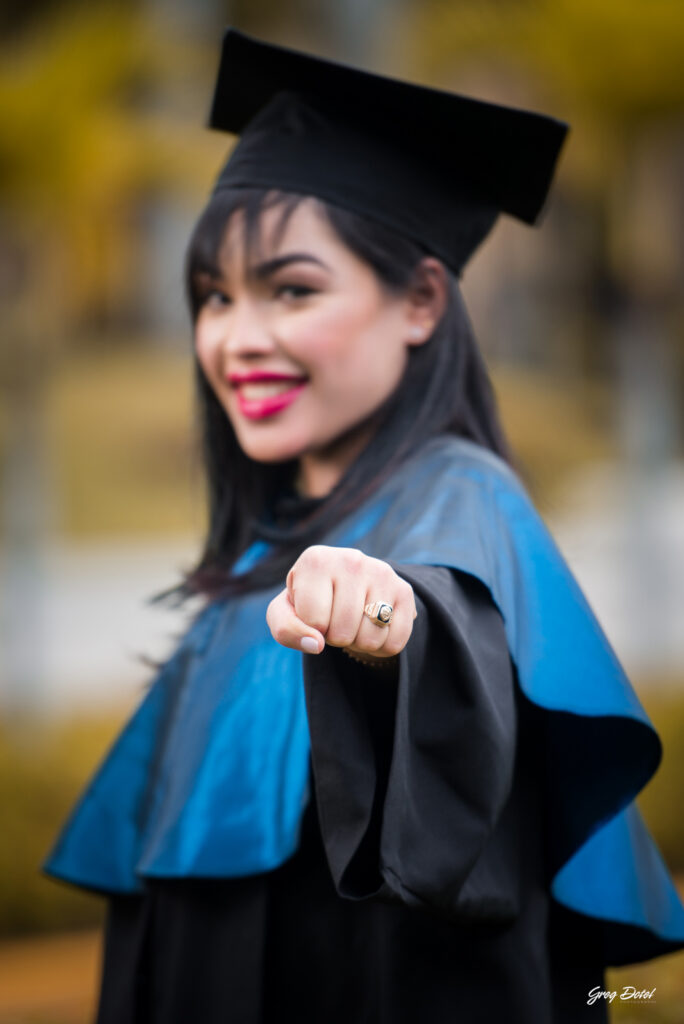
324	598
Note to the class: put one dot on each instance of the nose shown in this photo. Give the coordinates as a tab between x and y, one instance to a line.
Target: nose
247	335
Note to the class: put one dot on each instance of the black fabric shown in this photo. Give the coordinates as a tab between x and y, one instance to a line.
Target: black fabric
428	788
452	759
285	947
433	165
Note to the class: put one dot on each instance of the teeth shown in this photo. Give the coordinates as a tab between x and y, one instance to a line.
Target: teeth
265	389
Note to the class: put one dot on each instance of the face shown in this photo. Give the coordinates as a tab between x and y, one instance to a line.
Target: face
302	344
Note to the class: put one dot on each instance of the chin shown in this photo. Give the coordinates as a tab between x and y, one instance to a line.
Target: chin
270	450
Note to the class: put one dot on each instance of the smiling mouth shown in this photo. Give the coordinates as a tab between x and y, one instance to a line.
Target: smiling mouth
263	396
254	390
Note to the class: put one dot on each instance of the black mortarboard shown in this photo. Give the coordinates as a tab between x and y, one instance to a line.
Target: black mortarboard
435	166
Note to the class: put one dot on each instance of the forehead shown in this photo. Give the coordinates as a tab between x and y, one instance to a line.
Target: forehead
276	230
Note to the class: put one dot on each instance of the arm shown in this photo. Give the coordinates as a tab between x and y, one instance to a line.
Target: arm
414	769
412	775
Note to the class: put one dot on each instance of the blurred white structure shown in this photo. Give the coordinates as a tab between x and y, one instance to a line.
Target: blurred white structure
623	535
96	625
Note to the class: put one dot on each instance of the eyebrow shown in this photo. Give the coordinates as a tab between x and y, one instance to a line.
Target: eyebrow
264	270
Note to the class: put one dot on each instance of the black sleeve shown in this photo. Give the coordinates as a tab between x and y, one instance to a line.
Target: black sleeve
414	770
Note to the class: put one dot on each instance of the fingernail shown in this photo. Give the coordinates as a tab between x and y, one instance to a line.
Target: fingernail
309	645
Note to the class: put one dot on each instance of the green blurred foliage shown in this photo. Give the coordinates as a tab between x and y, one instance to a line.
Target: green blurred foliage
612	69
89	134
103	106
555	426
121	444
78	107
663	798
616	60
42	769
665	975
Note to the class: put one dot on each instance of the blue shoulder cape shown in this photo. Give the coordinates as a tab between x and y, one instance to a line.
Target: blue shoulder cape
210	776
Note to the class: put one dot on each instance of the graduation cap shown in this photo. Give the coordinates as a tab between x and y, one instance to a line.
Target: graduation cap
435	166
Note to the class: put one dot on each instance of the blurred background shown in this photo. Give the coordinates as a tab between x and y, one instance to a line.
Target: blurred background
104	165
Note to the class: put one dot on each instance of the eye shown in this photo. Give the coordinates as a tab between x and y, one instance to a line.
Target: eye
214	298
294	291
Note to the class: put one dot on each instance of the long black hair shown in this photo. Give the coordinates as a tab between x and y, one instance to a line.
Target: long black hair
445	390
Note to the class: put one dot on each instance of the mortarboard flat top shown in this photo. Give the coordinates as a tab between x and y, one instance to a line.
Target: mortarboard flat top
435	166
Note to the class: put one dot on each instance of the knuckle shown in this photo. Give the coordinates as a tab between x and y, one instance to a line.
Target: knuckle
313	557
373	643
281	635
352	560
340	638
394	645
311	615
342	631
383	570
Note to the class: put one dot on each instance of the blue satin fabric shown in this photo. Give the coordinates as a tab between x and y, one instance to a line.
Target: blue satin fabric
209	778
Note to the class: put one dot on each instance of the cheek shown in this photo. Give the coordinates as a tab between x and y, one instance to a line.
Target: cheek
207	351
367	364
345	342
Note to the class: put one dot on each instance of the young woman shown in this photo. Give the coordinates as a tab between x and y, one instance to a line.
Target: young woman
388	774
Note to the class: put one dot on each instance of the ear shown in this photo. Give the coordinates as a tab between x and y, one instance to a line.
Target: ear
426	299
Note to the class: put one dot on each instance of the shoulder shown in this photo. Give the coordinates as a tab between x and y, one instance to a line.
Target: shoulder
455	484
454	453
452	504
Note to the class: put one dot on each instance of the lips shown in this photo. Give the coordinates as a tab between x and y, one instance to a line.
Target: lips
261	394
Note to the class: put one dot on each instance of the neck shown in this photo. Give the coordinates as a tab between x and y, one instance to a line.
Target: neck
321	470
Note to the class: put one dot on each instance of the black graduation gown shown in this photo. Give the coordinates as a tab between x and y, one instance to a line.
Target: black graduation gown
419	892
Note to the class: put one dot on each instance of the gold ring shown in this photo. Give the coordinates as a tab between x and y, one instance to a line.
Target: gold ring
380	612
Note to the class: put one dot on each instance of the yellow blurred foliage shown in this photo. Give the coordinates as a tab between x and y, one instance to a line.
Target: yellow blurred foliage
87	133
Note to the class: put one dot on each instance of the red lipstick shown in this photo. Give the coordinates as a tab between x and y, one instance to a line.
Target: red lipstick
258	406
